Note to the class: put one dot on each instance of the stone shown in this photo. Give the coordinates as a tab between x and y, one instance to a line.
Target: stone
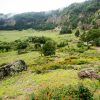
10	69
18	66
88	73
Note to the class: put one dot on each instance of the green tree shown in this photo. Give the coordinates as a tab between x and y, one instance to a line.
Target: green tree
49	48
77	33
91	37
65	30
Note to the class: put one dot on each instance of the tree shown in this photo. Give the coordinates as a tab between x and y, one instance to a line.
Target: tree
49	48
77	33
97	41
65	30
91	37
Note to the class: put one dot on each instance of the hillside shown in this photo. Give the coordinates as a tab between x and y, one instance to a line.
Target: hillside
52	55
48	74
84	15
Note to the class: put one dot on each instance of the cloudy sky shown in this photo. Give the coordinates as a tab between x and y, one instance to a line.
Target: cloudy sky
19	6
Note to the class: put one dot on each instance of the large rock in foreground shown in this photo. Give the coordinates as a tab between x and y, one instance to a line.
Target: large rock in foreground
10	69
88	73
18	66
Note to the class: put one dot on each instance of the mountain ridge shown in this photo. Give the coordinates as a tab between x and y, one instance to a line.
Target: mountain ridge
83	15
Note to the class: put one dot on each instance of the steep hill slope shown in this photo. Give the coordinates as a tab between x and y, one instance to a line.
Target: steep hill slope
85	15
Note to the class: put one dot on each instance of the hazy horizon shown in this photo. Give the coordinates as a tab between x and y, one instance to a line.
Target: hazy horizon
21	6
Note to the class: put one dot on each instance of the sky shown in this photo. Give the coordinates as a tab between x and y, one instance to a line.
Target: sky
19	6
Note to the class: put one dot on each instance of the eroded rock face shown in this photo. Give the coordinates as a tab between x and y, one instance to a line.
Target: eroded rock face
88	73
10	69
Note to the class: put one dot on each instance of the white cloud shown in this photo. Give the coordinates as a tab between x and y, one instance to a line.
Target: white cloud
18	6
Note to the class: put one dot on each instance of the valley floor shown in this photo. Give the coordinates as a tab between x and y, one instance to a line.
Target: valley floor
20	86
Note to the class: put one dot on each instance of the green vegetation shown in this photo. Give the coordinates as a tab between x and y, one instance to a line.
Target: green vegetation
49	48
56	72
56	47
83	15
77	33
91	37
65	92
65	30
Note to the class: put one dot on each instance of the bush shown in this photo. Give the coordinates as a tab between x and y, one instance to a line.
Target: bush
80	44
80	62
91	37
37	46
77	33
82	47
97	42
22	45
62	44
41	40
49	48
21	51
32	97
40	69
54	67
59	93
4	46
84	93
65	30
65	93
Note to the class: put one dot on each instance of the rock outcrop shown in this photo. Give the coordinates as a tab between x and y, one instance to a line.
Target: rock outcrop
10	69
88	73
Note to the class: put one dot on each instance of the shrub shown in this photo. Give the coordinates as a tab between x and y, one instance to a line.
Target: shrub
80	44
30	47
30	39
49	48
82	47
59	93
37	46
65	93
40	69
22	45
65	30
21	51
41	40
62	44
54	67
80	62
77	33
84	93
32	97
91	36
97	42
4	46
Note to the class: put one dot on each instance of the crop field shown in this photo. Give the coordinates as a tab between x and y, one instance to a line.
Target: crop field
57	71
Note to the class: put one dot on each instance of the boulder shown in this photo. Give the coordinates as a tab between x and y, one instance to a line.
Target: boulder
18	66
5	71
88	73
10	69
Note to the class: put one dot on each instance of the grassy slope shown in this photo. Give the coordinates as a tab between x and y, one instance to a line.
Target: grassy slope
27	82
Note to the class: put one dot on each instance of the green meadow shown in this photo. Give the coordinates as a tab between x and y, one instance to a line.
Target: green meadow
58	70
